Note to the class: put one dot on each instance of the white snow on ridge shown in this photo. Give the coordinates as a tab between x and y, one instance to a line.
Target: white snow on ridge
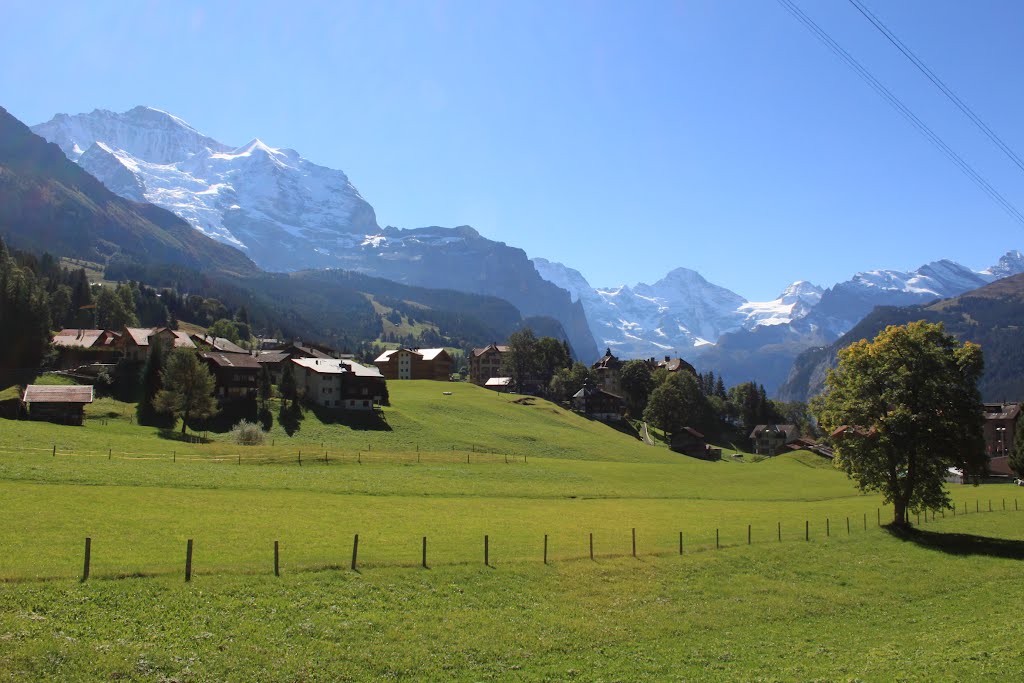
281	208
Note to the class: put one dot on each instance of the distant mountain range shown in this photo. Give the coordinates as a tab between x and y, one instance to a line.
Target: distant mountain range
684	314
288	214
992	316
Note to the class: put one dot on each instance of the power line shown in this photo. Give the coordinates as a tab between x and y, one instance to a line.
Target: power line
904	111
923	68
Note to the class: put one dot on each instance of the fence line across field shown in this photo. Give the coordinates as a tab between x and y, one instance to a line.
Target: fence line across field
543	551
294	455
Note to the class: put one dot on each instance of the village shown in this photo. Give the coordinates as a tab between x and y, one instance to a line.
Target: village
322	377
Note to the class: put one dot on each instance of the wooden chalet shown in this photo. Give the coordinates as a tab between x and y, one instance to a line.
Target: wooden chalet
599	404
407	363
338	383
485	363
691	442
60	404
208	342
136	341
772	439
77	347
236	375
999	428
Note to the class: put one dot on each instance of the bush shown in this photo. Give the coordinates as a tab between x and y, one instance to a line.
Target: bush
247	433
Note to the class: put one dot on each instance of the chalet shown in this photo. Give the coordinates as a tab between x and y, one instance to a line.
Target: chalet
691	442
77	347
607	369
236	375
771	439
61	404
136	341
599	404
485	363
999	427
415	364
274	362
338	383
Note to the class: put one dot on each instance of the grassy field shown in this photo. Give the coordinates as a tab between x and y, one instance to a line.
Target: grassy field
852	603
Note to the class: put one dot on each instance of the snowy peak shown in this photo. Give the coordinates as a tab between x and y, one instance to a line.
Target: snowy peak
143	132
1011	263
793	304
286	212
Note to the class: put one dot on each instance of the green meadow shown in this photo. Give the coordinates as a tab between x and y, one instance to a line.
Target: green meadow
749	597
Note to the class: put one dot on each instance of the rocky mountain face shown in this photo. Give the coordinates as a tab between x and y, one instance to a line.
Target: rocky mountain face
49	204
992	316
287	213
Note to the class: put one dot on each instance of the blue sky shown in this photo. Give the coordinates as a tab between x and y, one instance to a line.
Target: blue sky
623	139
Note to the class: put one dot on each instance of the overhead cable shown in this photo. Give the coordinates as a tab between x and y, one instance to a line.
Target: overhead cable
923	68
904	111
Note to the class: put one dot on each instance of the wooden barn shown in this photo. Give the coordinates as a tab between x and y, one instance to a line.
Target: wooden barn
60	404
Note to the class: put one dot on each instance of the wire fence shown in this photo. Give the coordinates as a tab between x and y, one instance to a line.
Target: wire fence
421	553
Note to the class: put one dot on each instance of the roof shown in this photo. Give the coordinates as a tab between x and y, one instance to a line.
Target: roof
141	335
607	361
76	338
789	431
337	366
425	354
219	343
1002	411
498	382
231	360
588	391
490	347
271	356
676	364
40	393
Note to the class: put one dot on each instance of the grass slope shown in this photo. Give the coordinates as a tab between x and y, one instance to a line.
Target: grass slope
862	609
849	604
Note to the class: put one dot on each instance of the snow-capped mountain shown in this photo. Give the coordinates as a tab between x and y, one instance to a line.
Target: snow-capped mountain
285	212
675	314
684	314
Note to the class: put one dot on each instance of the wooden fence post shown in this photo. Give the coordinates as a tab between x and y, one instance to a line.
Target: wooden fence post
865	521
545	548
355	551
847	526
780	532
591	545
424	552
807	530
634	541
487	551
748	534
277	560
188	561
680	542
88	557
878	515
828	531
717	545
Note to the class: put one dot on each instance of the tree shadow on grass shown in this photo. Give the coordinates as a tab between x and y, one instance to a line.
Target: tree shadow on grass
961	544
171	434
360	420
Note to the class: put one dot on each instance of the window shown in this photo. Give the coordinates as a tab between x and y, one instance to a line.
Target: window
366	404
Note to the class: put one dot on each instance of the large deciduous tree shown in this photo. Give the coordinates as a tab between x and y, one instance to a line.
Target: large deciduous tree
187	388
904	408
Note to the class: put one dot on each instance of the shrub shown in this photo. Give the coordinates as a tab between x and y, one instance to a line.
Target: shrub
247	433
